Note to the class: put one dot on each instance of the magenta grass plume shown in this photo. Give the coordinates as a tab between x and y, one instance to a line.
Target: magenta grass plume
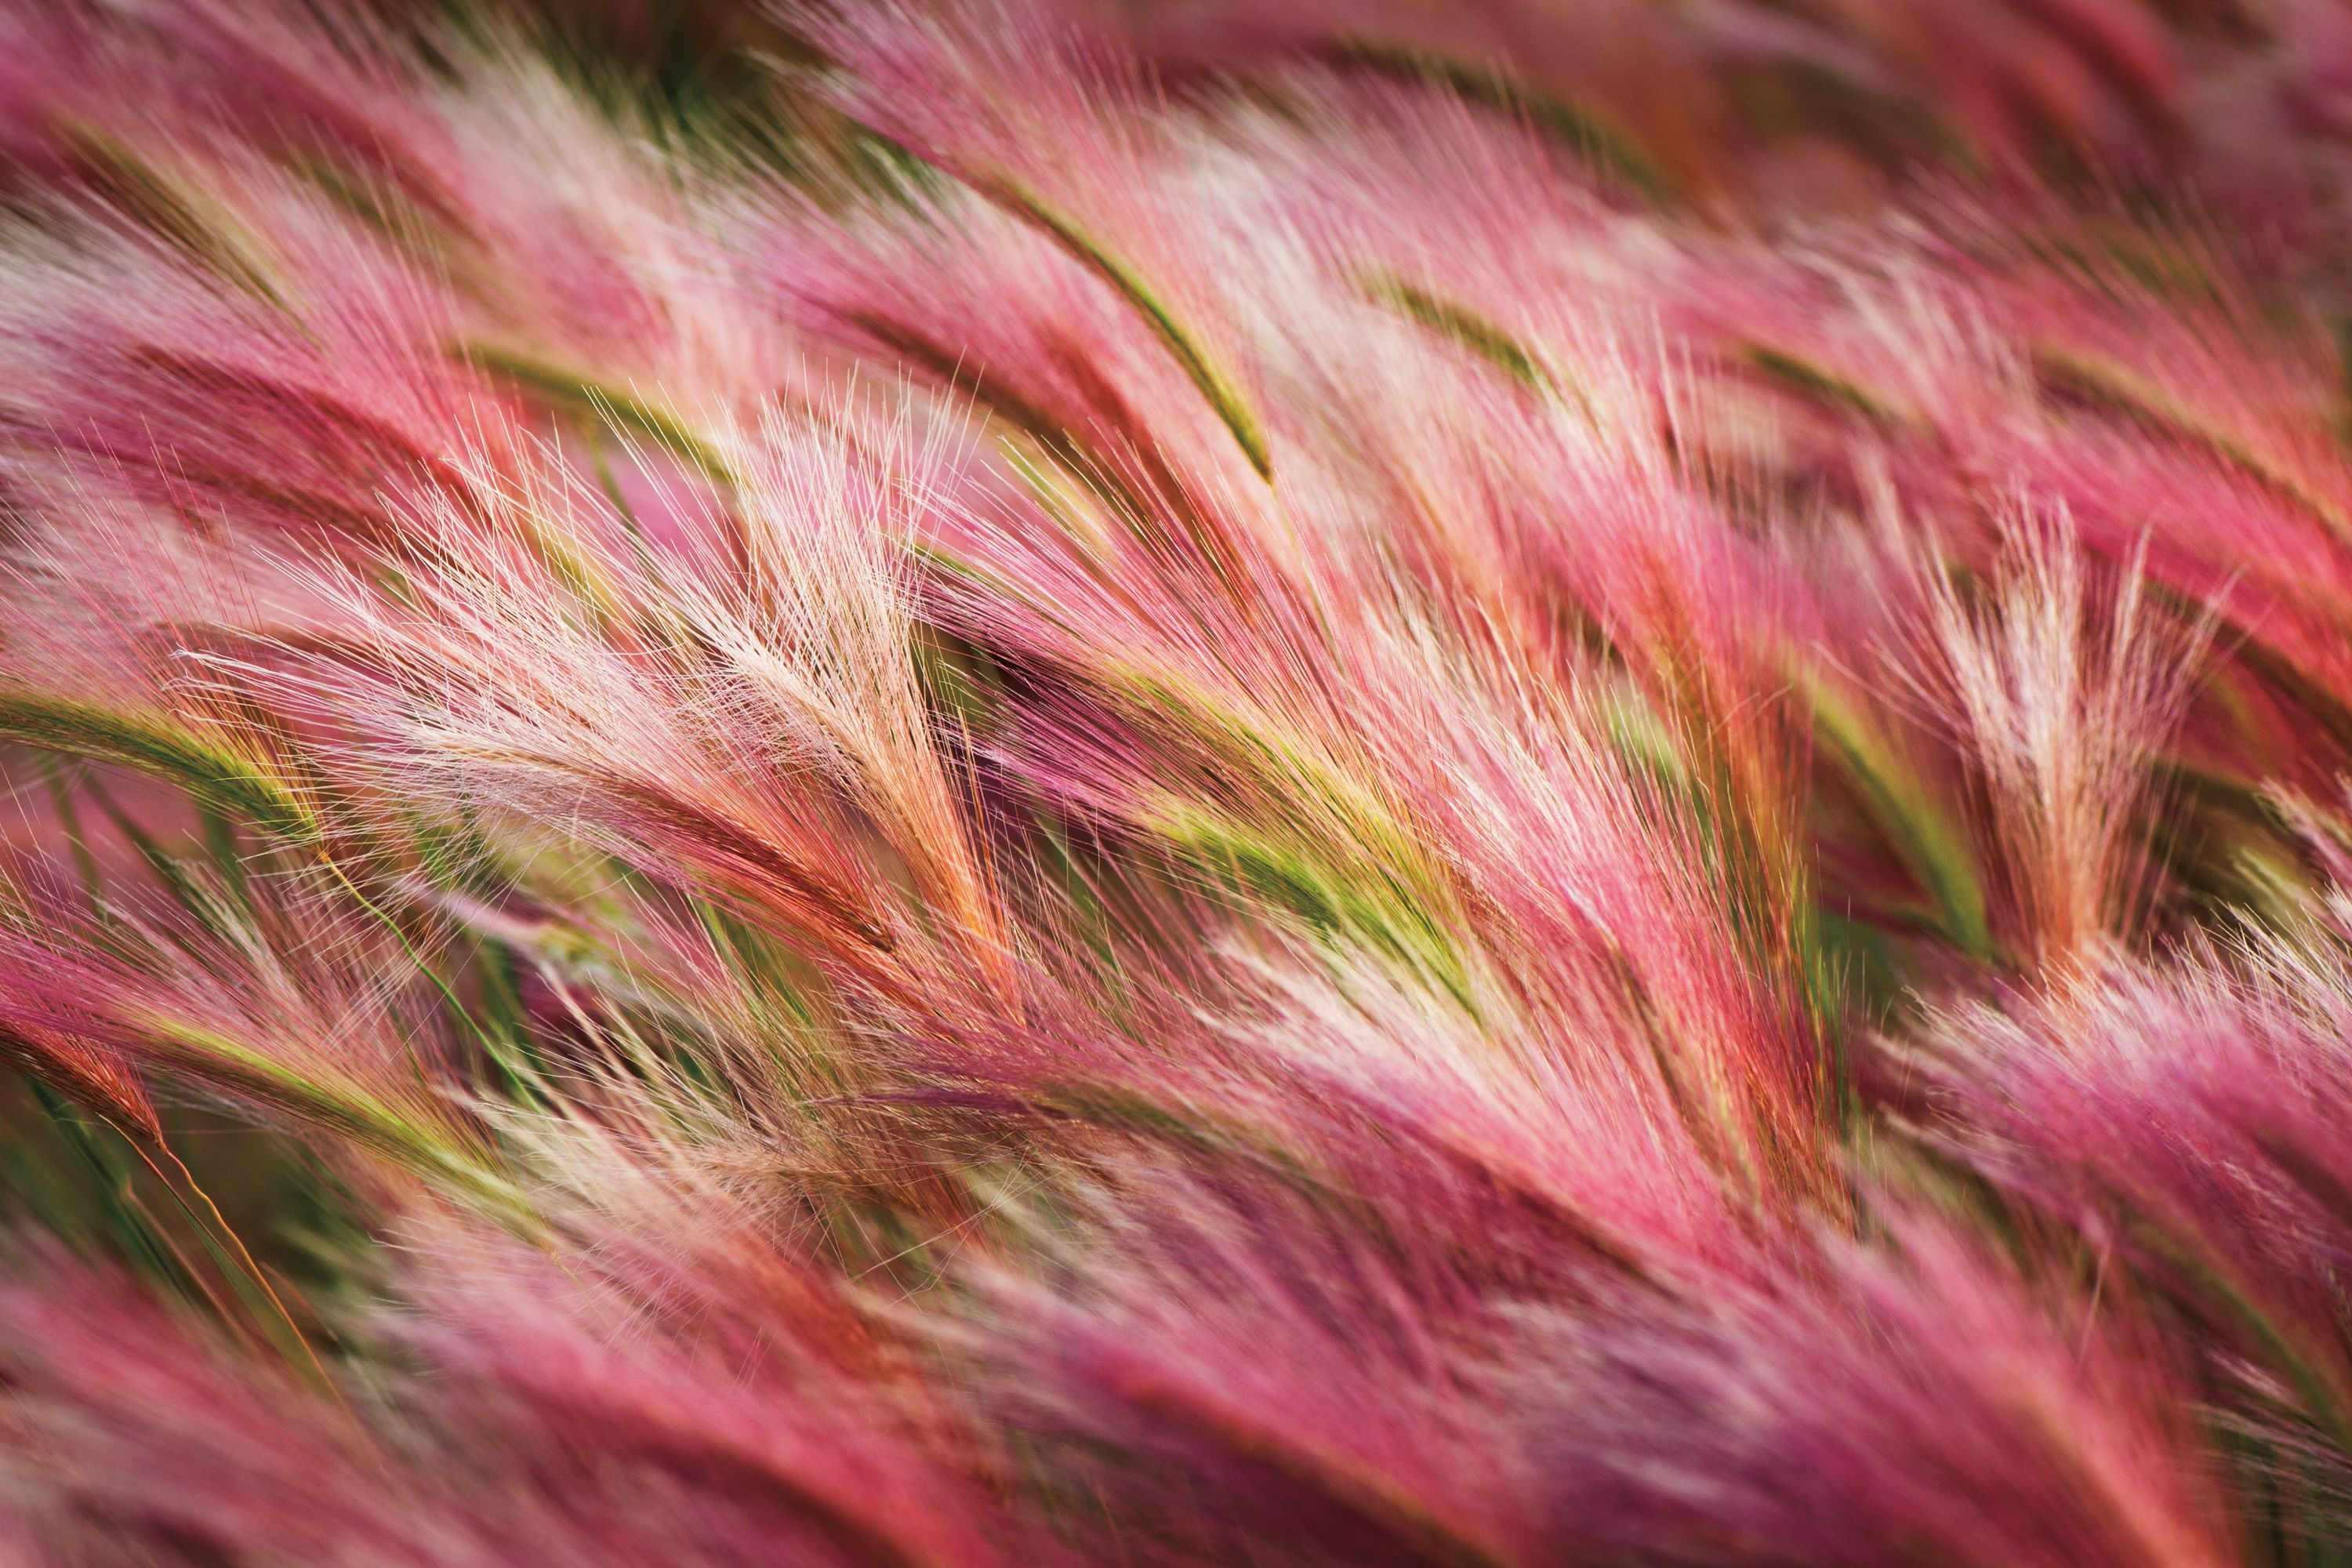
950	783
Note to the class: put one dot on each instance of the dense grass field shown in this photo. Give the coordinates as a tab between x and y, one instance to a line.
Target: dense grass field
1023	783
